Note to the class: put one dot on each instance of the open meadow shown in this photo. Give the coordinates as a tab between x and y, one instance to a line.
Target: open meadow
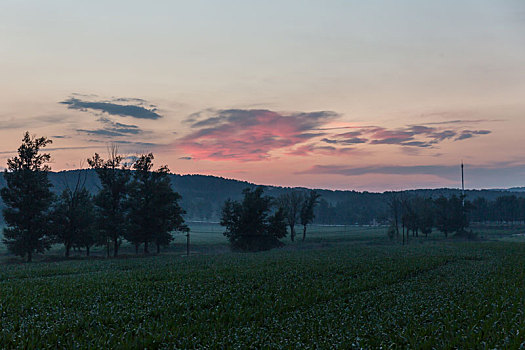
344	287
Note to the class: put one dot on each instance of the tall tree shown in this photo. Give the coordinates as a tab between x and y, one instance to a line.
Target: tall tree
307	210
291	203
451	214
27	197
249	225
425	214
394	204
73	217
443	215
111	199
154	208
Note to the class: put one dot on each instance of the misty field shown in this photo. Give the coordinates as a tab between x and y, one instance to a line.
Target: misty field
339	291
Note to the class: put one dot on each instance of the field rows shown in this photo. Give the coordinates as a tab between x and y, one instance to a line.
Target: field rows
435	295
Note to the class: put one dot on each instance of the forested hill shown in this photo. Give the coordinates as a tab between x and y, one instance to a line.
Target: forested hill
203	196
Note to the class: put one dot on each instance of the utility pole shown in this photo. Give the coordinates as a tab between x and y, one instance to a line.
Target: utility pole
462	184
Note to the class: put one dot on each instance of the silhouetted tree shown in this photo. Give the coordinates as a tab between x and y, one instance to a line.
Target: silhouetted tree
249	225
154	209
443	215
394	204
291	203
410	219
27	197
307	210
73	219
111	199
451	214
425	214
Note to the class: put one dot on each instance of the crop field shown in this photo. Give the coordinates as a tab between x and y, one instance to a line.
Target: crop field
343	290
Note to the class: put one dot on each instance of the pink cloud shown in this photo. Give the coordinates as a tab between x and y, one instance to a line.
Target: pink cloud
249	135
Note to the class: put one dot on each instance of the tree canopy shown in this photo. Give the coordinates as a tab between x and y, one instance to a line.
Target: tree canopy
28	198
249	224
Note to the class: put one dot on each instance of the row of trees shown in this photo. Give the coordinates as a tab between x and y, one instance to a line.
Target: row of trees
420	215
298	207
504	209
258	222
139	206
415	214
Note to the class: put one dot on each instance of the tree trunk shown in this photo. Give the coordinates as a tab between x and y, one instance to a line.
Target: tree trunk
29	256
87	250
68	248
158	248
115	247
107	248
146	247
292	232
304	232
136	248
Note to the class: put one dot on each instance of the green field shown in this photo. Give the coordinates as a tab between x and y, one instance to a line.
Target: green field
344	288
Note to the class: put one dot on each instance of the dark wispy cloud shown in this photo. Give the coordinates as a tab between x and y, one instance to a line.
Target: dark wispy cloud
51	149
346	141
123	107
420	136
127	143
464	121
387	170
111	129
313	149
36	121
449	172
249	134
467	134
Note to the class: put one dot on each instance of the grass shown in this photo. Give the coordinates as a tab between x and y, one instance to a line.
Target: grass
344	287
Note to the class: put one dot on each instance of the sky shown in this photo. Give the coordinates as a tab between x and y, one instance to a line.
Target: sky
340	94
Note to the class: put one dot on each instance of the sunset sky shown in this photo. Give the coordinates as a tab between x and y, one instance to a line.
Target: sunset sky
364	95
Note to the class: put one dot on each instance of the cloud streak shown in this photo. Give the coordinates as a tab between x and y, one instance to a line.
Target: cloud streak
112	129
421	136
448	172
134	108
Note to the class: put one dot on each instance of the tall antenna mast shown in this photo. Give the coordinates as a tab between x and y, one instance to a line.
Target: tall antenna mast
462	183
462	179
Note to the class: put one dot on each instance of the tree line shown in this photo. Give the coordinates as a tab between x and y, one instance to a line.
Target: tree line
415	215
134	203
508	209
259	222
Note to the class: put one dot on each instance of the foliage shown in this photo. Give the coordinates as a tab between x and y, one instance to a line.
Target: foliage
291	203
27	197
451	214
154	211
111	199
439	296
73	218
249	225
307	209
